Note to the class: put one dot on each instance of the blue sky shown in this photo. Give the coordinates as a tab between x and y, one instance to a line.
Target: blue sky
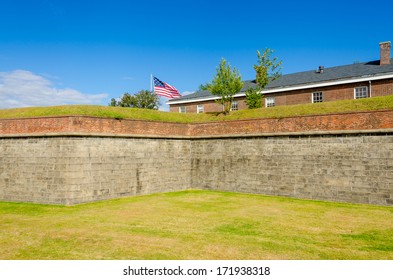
77	52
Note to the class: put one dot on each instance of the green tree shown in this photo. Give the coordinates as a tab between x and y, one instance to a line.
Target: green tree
113	102
143	99
267	70
203	86
226	83
253	98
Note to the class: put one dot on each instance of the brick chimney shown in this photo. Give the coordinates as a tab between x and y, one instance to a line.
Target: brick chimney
385	53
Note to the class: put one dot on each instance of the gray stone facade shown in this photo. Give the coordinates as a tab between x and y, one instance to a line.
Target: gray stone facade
71	170
357	169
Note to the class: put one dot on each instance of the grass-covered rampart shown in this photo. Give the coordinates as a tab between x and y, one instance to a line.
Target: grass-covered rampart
367	104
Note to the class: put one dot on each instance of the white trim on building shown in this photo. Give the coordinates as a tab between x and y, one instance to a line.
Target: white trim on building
200	108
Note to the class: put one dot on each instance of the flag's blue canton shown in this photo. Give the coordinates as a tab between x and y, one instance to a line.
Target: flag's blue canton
158	83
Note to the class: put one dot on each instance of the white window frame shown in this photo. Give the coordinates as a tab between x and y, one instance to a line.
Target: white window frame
200	108
360	88
315	98
182	109
234	105
270	101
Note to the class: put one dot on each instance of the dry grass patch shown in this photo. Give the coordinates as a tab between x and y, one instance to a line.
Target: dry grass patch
197	225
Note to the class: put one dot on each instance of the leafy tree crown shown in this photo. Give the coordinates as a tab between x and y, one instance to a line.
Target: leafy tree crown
143	99
226	83
268	69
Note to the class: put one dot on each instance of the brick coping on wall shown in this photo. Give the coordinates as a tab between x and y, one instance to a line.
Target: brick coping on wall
380	121
283	134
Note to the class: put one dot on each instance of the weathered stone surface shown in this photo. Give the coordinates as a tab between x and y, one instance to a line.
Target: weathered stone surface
354	169
113	158
74	170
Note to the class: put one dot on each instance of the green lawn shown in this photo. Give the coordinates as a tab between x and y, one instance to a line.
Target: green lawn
366	104
197	225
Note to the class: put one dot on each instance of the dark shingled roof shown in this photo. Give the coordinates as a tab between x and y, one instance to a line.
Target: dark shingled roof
356	70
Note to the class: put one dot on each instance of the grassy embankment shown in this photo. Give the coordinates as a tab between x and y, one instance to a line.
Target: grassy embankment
197	225
367	104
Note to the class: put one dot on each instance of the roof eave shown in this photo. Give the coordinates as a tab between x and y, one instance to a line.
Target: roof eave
209	98
330	83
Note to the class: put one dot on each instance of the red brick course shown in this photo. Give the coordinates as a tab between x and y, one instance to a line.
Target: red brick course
375	120
93	125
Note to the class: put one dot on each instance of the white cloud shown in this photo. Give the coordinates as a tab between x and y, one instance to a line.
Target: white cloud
22	88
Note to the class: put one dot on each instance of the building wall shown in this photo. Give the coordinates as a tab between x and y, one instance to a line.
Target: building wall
331	93
209	106
382	88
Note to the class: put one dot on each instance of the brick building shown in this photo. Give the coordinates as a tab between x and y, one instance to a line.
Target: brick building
358	80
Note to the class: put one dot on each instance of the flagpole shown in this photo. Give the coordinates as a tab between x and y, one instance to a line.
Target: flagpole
151	82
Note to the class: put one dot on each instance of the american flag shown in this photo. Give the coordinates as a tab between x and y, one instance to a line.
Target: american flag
163	89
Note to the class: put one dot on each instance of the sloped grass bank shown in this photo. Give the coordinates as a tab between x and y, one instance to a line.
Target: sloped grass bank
367	104
197	225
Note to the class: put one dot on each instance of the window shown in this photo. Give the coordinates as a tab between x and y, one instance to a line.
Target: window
234	106
270	101
361	92
182	109
317	97
200	108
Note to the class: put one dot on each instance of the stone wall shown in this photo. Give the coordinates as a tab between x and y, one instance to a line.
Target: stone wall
357	168
69	160
70	170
